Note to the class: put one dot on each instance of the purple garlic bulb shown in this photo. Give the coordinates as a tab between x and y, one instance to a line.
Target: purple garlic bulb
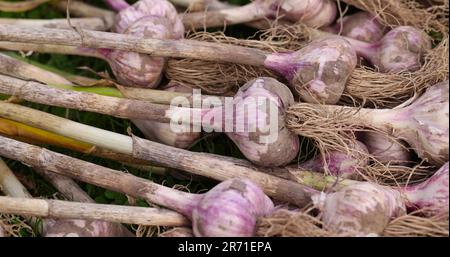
162	133
401	49
314	13
135	69
82	228
230	209
424	124
143	8
257	125
430	195
362	26
360	209
319	71
337	163
385	150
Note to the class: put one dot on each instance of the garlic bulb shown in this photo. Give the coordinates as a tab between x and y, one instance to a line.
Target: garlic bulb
401	49
314	13
260	132
319	71
143	8
230	209
141	70
425	124
359	209
338	163
385	150
430	195
362	26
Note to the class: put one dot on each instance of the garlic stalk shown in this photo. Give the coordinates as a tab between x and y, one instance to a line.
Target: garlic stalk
195	163
316	76
254	119
229	209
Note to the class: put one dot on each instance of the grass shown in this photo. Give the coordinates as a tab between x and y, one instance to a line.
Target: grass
38	187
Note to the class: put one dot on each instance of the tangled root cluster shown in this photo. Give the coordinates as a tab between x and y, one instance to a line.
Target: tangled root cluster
368	87
215	77
287	223
407	12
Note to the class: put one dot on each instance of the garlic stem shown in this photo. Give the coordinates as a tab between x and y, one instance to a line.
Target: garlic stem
103	212
197	163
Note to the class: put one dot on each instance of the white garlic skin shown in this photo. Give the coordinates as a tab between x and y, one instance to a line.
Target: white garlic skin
386	150
142	8
136	69
284	148
402	49
425	124
430	195
359	209
230	209
314	13
319	71
361	26
338	163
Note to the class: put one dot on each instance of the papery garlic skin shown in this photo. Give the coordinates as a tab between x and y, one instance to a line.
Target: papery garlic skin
425	123
313	13
141	70
230	209
359	209
142	8
431	195
385	150
262	142
361	26
403	49
254	119
338	163
319	71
